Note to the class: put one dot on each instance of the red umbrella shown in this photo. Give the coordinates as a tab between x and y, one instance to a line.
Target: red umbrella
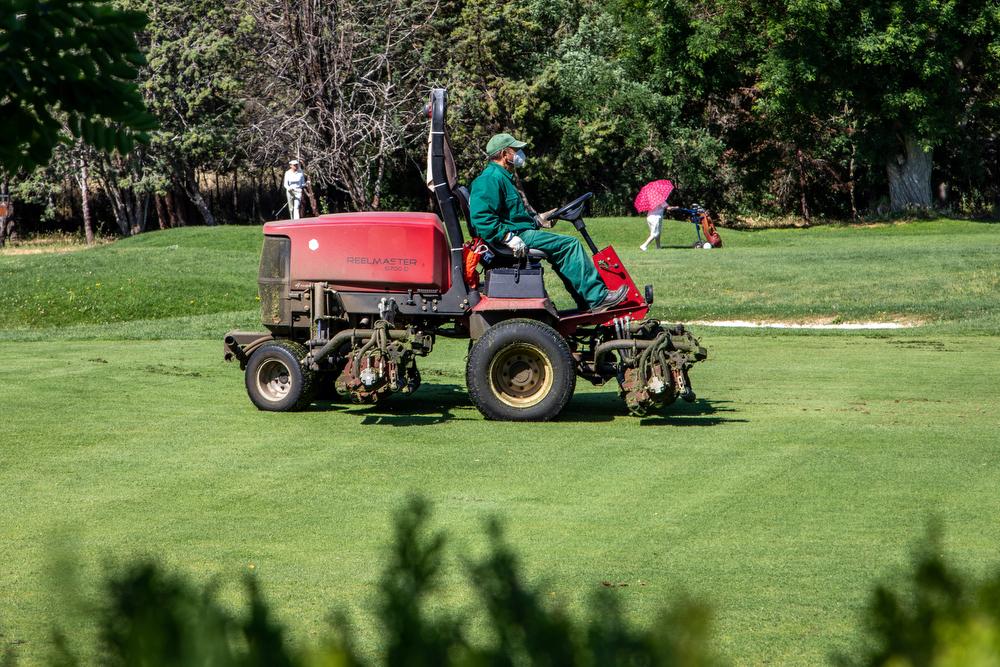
653	194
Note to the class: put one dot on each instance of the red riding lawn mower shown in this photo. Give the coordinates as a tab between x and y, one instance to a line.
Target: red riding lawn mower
350	300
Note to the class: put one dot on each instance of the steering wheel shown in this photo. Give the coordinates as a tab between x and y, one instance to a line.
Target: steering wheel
571	211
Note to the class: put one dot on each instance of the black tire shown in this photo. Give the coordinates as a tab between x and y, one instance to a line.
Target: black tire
520	370
275	380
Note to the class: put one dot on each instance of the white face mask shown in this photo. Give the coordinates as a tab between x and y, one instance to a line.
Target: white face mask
518	159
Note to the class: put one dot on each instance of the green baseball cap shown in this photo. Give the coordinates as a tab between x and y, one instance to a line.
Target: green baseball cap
502	141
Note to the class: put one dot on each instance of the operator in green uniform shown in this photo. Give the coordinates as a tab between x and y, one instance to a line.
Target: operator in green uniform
500	216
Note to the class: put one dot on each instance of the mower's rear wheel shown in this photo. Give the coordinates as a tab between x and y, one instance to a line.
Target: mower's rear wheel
520	370
275	379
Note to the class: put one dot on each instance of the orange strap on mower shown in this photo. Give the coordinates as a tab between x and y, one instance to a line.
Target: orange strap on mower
472	251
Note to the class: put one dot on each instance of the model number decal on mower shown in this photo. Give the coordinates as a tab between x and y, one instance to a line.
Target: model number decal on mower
390	263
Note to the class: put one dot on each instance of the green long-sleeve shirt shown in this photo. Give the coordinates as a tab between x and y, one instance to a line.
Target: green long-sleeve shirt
496	206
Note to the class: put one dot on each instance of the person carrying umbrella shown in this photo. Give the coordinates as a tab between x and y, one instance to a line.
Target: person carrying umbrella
501	216
652	199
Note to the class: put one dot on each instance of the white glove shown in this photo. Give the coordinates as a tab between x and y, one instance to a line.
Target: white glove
543	220
517	245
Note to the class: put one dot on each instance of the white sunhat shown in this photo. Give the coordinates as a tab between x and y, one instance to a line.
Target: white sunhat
293	162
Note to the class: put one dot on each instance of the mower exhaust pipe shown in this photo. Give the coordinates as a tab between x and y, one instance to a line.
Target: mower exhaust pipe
239	345
234	351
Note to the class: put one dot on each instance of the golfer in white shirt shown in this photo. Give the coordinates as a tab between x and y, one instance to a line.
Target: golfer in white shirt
295	182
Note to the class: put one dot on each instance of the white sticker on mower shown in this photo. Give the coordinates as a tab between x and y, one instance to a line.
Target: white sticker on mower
313	244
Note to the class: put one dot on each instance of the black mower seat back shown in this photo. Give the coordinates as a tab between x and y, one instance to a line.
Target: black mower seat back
501	253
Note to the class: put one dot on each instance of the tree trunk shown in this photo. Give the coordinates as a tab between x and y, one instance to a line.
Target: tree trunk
134	208
217	176
255	207
802	186
6	211
161	212
910	176
194	193
236	194
88	225
311	199
143	212
119	208
379	175
850	184
177	217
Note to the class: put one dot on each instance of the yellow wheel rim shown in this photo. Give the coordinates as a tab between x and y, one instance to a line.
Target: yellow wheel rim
521	375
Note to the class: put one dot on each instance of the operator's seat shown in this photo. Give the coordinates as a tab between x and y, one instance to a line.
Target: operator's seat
503	256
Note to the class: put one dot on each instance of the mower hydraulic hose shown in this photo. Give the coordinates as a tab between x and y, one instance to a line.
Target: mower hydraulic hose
346	335
675	342
611	345
380	340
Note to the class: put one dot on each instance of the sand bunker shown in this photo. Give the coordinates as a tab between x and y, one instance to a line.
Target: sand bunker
745	324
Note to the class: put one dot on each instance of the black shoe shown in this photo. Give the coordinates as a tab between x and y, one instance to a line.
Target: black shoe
612	299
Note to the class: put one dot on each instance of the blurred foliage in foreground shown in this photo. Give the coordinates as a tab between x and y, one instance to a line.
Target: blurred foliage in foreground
940	617
150	617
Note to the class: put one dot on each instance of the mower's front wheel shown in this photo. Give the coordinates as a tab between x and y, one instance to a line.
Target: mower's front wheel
275	379
520	370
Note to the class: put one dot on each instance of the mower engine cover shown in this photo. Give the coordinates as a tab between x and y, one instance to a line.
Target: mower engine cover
378	251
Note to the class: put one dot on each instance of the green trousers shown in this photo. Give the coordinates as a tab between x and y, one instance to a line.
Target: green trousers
573	264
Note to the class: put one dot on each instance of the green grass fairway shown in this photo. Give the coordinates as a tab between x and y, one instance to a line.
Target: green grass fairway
188	282
807	469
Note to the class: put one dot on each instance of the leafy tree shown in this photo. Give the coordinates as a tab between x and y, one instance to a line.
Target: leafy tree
339	84
811	98
818	107
618	126
193	83
922	69
68	63
553	73
913	73
598	116
494	50
790	125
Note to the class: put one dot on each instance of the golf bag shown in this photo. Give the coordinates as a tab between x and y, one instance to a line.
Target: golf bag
708	229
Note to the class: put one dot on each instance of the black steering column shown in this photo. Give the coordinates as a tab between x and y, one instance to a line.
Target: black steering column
573	212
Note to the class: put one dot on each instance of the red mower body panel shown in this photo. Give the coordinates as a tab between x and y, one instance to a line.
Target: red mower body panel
377	251
614	275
